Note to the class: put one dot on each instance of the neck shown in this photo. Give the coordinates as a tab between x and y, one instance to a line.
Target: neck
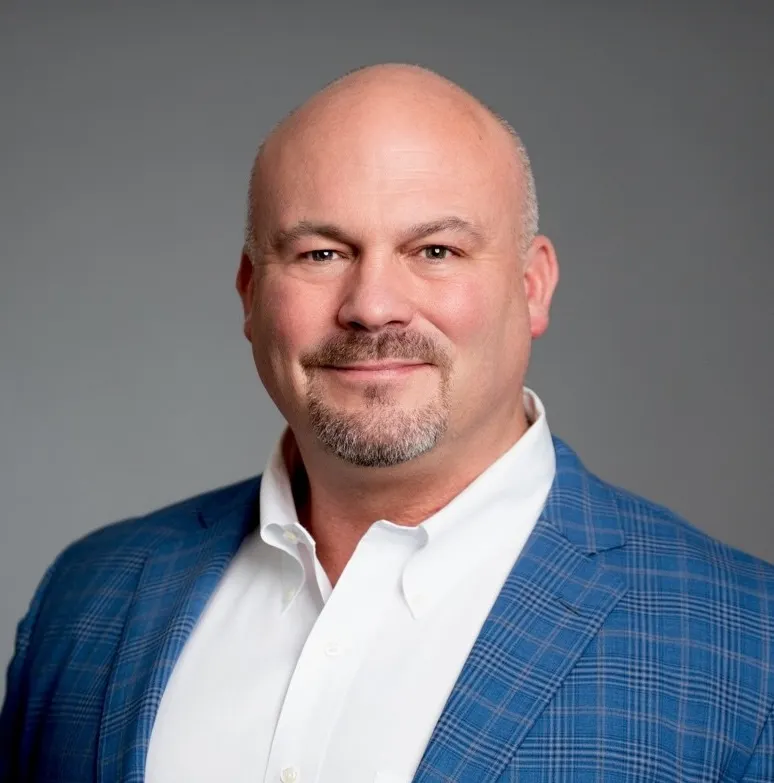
338	502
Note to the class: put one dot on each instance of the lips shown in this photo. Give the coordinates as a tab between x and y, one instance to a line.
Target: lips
376	366
375	370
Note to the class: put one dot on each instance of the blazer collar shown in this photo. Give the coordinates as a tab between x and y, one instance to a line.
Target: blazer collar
234	507
581	506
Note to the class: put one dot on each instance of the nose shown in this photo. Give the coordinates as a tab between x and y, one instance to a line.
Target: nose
377	294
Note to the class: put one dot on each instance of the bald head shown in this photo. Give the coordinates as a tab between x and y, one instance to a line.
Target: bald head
384	104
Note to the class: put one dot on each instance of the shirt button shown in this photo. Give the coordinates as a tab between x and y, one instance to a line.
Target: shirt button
332	649
290	536
289	775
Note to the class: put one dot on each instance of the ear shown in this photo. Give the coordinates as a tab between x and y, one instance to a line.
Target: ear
245	286
541	275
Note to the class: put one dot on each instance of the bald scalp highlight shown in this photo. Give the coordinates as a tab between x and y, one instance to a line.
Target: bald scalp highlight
529	214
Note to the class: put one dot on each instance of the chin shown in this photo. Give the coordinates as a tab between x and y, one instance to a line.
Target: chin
371	438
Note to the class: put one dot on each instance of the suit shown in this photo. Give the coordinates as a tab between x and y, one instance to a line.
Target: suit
625	645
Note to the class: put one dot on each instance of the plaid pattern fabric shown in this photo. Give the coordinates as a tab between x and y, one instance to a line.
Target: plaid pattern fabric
625	646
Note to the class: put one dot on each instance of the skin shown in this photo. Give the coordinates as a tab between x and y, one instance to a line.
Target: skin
338	274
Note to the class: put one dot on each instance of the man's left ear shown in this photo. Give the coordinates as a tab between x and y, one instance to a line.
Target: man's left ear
541	275
245	285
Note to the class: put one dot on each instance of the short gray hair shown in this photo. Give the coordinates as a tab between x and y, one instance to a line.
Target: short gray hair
530	213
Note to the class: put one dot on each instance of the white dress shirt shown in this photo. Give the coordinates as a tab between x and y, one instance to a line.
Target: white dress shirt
285	680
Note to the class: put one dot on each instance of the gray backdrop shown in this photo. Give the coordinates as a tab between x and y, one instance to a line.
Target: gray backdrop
125	141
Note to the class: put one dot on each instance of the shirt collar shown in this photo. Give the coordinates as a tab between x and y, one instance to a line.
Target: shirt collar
496	511
280	528
483	517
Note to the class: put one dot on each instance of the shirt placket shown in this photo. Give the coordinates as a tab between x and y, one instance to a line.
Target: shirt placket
328	664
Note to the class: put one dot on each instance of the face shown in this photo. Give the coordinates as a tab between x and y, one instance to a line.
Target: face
388	302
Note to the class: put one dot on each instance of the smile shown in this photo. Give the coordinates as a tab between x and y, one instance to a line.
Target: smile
372	371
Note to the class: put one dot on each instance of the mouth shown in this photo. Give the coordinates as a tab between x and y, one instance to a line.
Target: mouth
376	370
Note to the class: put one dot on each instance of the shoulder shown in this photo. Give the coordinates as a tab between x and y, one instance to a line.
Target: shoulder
696	589
658	536
699	600
139	535
658	541
114	555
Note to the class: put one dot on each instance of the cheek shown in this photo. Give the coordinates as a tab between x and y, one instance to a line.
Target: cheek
473	315
286	322
487	327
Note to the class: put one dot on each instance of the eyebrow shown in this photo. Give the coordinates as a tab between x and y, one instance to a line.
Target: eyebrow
451	223
307	228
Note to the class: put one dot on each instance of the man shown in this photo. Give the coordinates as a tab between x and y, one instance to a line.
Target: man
424	585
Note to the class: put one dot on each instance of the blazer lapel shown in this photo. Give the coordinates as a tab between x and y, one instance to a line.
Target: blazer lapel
552	604
178	578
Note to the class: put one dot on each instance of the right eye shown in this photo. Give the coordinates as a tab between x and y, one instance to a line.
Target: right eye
320	256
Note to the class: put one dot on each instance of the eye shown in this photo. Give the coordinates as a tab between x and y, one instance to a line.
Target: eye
320	256
436	252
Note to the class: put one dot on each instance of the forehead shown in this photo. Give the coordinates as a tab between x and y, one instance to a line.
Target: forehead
386	167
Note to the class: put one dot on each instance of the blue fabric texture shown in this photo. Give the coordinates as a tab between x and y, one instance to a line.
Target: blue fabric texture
625	646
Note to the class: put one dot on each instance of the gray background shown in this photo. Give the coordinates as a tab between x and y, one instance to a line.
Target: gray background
126	137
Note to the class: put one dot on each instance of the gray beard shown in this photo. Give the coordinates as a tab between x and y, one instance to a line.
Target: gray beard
382	435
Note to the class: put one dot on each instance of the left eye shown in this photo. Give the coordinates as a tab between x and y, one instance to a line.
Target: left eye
436	252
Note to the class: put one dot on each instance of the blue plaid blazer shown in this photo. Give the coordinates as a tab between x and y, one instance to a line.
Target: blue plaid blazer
625	646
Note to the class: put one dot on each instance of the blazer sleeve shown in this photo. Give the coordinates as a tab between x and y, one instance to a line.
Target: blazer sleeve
761	766
13	716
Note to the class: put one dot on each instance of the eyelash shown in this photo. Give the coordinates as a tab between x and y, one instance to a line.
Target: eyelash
308	255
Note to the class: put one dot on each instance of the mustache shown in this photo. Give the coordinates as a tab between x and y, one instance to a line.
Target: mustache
357	346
